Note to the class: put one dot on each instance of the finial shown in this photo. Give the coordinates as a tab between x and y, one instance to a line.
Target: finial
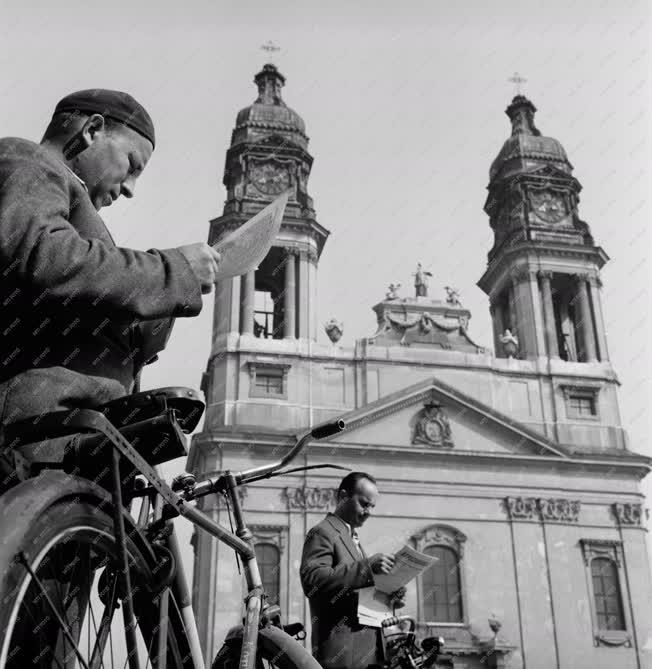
270	48
517	80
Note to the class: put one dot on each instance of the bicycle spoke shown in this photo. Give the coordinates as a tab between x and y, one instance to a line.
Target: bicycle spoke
105	625
23	559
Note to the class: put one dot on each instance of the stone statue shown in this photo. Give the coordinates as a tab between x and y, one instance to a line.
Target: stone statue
392	289
452	296
494	624
510	343
421	281
334	330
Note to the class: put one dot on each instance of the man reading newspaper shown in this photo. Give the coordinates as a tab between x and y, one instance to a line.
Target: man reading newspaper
334	567
81	316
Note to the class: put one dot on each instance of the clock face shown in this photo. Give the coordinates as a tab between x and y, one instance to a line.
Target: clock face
549	207
270	179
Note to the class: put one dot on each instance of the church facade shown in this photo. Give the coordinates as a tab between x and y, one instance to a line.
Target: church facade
511	466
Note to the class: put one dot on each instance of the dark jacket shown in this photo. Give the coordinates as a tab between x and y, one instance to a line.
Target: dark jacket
79	317
331	572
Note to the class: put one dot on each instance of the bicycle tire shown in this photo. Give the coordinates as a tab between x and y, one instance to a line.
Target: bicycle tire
63	530
275	649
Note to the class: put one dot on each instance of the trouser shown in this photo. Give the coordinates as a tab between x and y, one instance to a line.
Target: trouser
350	647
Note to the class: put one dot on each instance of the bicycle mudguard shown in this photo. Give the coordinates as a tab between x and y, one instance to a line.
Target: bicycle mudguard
31	498
279	638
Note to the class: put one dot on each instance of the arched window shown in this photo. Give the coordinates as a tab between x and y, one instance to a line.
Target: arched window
606	592
269	564
442	588
608	595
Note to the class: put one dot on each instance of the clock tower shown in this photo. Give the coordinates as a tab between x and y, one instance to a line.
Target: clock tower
543	274
260	376
269	155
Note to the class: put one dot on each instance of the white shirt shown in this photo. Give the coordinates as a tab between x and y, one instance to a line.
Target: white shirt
354	536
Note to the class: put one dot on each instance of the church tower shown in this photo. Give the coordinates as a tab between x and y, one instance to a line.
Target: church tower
268	155
271	309
258	383
543	275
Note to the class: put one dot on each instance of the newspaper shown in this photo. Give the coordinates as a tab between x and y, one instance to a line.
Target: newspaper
245	248
374	602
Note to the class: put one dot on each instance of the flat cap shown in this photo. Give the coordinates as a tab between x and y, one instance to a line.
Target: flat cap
113	104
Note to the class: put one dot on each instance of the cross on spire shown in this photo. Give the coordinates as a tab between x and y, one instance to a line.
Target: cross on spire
270	48
517	80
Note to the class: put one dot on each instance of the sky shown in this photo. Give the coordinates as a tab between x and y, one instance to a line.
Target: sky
404	106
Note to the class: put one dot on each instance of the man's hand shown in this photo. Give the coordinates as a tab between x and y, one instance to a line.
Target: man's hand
397	599
204	261
381	563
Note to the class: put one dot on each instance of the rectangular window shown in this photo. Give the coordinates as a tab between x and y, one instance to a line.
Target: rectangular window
269	382
268	379
581	401
581	405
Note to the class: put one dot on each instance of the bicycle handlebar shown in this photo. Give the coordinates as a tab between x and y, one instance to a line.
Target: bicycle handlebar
209	486
320	432
327	429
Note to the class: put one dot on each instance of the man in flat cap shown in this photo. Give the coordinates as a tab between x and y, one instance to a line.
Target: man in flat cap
79	316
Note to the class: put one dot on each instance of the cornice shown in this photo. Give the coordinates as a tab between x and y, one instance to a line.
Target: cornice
639	466
489	281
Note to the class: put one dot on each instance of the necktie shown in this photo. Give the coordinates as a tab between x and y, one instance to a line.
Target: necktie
356	541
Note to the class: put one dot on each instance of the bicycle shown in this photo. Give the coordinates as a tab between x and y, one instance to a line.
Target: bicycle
70	542
401	648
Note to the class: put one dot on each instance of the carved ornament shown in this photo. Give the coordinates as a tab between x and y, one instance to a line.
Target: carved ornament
440	535
628	514
433	427
602	548
557	509
563	510
521	507
306	498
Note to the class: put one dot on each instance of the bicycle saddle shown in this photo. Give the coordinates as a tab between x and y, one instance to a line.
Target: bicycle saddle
185	402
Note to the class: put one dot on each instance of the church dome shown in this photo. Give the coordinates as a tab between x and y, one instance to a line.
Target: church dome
527	149
269	115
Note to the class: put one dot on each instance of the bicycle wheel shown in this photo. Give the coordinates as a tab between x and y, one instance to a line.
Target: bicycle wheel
275	649
59	587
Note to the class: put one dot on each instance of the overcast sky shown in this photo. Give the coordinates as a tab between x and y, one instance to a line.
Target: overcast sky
404	106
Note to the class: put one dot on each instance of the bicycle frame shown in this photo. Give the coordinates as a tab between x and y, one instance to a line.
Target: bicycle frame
174	504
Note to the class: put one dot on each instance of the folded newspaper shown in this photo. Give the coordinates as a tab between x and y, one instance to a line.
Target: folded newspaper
374	602
245	248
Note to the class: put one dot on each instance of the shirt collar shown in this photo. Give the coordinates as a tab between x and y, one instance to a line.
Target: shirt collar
81	181
351	530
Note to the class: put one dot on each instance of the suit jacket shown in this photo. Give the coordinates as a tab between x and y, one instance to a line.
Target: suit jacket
331	572
79	317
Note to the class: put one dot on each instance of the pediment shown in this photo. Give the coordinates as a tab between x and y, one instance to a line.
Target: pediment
435	416
550	172
277	140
